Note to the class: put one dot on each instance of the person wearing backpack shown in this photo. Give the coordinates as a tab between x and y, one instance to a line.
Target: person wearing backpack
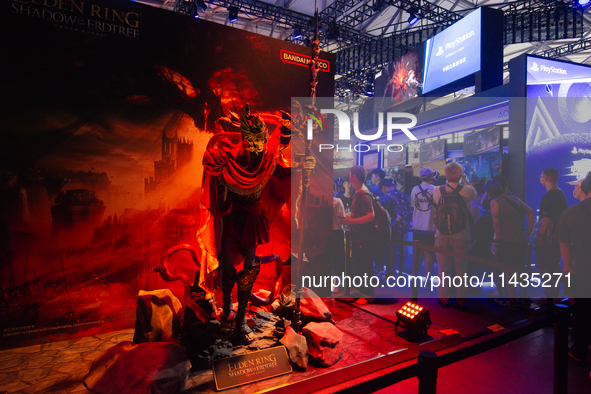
423	218
362	223
453	229
507	213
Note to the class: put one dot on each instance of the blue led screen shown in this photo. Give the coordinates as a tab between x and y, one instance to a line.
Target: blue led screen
453	54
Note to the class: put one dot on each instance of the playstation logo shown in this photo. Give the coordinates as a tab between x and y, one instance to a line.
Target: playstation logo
439	52
535	67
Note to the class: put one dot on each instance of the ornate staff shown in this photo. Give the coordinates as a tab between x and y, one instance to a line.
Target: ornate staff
297	323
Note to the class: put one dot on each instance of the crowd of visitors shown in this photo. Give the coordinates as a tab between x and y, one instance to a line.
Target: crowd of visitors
462	217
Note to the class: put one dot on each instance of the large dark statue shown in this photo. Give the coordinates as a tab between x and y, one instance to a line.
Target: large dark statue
233	217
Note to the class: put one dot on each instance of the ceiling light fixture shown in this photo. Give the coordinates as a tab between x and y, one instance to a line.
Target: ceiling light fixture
412	17
232	14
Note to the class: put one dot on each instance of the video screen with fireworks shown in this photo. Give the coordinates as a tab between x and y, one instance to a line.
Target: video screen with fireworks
399	81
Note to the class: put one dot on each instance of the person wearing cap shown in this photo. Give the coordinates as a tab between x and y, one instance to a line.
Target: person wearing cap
507	213
485	203
578	193
435	180
396	203
398	206
573	234
377	176
423	218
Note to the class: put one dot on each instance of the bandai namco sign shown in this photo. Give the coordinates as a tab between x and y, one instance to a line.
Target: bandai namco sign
302	60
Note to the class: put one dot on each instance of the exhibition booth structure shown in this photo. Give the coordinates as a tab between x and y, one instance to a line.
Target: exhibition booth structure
165	190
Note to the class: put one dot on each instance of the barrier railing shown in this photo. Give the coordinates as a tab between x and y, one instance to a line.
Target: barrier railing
417	245
428	363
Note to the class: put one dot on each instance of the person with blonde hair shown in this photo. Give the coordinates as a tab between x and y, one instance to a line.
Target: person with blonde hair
453	228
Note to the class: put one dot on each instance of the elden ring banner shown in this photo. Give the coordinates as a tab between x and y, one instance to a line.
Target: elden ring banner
107	110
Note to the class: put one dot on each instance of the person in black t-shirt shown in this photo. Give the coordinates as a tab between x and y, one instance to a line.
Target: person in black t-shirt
361	222
551	207
573	233
347	196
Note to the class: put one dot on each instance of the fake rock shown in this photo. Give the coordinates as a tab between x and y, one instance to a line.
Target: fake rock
325	342
313	308
297	347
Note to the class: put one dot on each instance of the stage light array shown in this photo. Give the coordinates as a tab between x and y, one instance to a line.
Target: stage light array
415	320
232	14
412	19
412	16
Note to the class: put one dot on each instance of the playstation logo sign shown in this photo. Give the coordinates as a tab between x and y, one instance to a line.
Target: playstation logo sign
439	52
535	67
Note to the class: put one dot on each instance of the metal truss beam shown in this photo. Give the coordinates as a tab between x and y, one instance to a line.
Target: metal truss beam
362	52
567	49
348	16
521	26
267	11
349	13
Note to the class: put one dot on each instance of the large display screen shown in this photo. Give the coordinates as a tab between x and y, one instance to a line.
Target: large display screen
432	151
558	125
397	174
371	160
481	141
413	149
481	167
343	159
453	54
399	81
396	158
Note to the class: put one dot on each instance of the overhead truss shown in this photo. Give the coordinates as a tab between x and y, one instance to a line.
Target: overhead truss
361	52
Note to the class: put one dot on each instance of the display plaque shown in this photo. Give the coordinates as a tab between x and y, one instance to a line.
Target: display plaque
252	367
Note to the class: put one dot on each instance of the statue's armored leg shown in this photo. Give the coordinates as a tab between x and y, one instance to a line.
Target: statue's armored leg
228	280
245	282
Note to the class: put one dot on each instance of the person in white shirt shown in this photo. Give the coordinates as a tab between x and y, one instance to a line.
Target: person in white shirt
337	240
457	242
421	198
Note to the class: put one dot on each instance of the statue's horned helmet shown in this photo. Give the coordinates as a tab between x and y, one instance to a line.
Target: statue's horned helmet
254	131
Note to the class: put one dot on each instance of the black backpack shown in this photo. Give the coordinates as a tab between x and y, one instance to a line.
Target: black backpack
452	212
382	230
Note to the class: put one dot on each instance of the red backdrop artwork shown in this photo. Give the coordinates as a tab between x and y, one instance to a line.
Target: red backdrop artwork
107	108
